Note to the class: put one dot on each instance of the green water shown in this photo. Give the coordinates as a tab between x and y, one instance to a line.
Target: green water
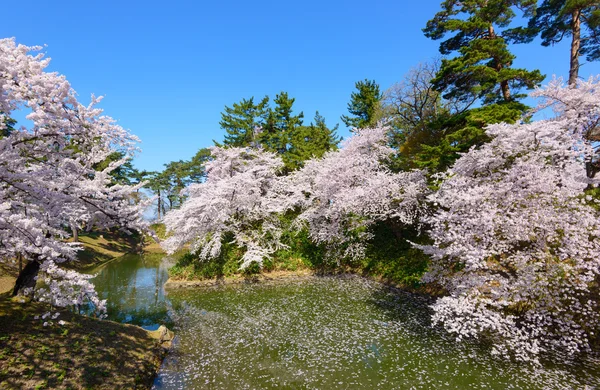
316	333
132	286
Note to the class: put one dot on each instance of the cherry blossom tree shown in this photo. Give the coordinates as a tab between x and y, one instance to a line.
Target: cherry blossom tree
235	198
340	195
516	240
47	180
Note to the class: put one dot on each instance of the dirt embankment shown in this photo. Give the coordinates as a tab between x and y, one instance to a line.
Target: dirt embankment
73	351
266	277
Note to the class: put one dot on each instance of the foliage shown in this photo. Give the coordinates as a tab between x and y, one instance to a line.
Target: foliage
482	67
515	244
226	263
277	130
389	254
177	175
241	120
311	141
47	172
557	19
280	124
364	105
125	173
453	135
429	131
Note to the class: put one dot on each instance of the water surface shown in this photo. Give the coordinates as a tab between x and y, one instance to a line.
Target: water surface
133	288
314	333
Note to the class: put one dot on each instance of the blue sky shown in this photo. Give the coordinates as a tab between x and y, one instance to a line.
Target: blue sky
167	69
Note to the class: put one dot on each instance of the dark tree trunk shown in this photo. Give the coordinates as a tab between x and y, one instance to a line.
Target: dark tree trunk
27	277
158	202
396	228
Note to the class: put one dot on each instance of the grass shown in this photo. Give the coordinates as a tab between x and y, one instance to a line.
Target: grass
84	353
390	259
101	246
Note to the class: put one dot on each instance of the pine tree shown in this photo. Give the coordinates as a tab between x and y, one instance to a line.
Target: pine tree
310	142
482	67
280	124
6	125
241	120
364	105
580	19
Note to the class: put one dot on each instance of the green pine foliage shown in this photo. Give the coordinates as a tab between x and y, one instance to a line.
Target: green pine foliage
280	125
277	129
8	125
241	120
553	20
364	105
310	142
459	133
558	19
482	64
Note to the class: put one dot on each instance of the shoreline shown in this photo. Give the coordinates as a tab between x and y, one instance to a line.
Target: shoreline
281	276
273	276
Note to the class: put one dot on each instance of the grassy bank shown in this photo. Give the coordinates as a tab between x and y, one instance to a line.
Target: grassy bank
389	259
102	246
98	247
82	353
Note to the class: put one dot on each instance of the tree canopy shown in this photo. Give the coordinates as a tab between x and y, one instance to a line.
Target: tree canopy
48	174
482	65
363	105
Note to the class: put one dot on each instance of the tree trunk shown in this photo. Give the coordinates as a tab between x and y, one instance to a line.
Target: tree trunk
505	90
75	232
158	204
504	87
575	45
396	228
27	277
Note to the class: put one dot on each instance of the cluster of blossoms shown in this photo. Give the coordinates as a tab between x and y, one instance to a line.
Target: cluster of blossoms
338	197
67	288
516	241
47	178
235	198
347	190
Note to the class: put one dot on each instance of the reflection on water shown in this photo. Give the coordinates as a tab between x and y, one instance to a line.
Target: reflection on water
132	285
317	333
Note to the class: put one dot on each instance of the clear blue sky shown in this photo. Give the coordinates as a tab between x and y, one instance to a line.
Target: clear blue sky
167	69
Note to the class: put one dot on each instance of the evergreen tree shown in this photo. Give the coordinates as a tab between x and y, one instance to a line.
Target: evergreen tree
580	19
280	124
177	175
482	67
310	142
124	174
364	105
159	184
452	135
6	125
431	132
241	120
